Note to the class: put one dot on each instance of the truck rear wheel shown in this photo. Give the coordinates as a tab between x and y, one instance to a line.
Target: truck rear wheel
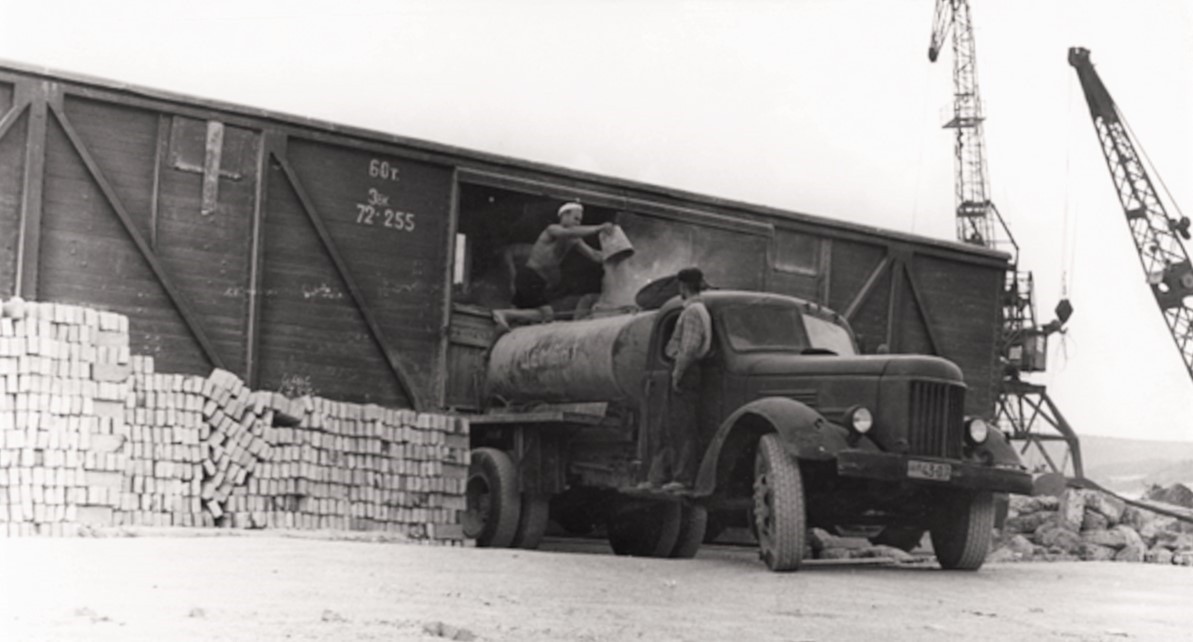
693	523
532	522
961	538
645	528
492	499
779	516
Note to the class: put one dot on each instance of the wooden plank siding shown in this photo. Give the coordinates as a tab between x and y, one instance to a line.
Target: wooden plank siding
243	238
14	121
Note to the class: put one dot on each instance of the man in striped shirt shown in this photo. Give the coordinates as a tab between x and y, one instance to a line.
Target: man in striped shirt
689	343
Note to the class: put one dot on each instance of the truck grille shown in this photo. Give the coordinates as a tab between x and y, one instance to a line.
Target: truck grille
937	411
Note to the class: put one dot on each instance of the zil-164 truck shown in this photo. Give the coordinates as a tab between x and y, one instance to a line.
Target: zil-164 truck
795	428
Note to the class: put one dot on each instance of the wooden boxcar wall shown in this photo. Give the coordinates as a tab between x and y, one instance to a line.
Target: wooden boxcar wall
316	256
290	256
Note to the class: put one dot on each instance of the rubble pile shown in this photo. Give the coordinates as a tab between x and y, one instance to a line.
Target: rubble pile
823	545
1083	524
92	437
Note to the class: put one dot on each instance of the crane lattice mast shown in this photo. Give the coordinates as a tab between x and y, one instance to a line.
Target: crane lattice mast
978	220
1022	344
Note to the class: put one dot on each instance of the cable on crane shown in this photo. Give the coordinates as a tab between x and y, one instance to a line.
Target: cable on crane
1180	224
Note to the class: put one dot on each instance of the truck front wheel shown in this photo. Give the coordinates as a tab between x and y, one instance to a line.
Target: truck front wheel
492	499
961	537
778	506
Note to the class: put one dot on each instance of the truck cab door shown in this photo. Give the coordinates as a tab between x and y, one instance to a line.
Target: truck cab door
656	398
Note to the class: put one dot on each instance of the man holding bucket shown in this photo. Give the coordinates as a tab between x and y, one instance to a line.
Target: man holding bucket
540	276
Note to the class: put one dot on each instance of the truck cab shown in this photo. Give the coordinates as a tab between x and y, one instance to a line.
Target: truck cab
794	429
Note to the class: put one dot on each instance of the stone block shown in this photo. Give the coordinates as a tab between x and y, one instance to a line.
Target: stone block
886	552
1130	536
1131	553
1175	541
1106	505
1072	509
1029	522
1096	553
1158	555
1137	518
1023	504
1094	521
1021	546
1002	555
834	554
1058	538
1108	538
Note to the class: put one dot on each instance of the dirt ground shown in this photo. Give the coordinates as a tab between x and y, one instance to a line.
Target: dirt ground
275	586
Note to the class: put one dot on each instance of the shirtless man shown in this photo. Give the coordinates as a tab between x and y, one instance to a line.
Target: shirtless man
535	281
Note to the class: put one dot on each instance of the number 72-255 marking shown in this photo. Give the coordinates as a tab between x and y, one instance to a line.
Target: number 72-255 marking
371	215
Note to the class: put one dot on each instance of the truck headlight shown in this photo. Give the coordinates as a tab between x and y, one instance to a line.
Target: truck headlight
976	430
860	419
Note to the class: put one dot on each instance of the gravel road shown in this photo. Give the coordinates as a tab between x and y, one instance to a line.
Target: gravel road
275	586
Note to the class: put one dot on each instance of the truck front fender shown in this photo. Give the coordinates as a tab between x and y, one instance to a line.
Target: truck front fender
997	450
805	434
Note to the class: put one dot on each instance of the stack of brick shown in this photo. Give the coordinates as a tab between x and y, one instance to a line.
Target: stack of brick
166	427
347	466
233	438
91	435
64	372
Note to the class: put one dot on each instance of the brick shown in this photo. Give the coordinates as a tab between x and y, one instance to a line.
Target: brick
111	480
113	372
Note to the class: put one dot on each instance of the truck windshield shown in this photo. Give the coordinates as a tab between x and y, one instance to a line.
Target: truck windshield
778	326
826	335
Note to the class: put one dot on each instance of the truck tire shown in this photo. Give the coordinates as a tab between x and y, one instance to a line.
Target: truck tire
532	523
779	513
961	538
693	522
904	538
646	528
493	502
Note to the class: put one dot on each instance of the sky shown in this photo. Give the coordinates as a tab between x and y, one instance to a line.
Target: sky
826	107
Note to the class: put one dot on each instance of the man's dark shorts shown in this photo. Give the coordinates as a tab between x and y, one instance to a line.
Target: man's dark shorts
530	289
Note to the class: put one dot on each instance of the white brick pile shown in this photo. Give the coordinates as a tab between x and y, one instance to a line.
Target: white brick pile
92	436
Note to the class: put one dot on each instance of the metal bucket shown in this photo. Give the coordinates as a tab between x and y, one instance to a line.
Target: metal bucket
615	245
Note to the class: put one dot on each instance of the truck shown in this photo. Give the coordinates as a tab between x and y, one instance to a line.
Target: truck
363	266
795	429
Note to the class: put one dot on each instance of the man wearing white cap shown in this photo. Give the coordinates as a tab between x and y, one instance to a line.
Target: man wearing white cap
535	281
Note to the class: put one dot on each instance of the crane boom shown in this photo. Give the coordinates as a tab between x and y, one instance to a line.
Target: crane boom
1156	234
1022	344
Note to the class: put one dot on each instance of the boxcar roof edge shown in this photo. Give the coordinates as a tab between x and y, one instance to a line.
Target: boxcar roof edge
463	156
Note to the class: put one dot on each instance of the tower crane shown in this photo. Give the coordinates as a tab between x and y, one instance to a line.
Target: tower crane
1156	233
1022	343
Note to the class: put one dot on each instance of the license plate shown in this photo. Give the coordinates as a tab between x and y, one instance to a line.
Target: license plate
929	470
